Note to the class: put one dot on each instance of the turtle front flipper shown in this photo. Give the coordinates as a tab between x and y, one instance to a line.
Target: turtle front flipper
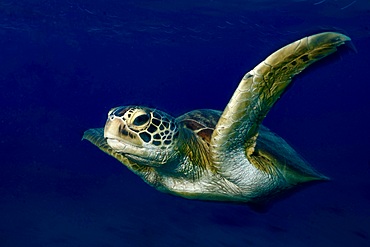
237	130
96	137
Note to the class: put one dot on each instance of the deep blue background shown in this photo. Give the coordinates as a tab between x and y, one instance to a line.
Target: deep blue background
64	64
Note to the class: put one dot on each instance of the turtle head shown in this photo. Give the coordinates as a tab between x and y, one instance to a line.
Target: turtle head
145	136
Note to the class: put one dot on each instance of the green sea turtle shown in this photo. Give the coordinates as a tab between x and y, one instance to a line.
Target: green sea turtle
222	156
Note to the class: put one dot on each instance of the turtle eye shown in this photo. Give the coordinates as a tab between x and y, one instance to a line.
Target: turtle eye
138	119
141	120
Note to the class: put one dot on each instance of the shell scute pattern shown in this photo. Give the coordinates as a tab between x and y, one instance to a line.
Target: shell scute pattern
201	122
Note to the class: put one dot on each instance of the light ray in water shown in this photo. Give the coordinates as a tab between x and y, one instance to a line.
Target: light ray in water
348	5
319	2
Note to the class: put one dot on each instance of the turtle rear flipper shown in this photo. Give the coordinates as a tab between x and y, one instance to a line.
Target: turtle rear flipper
282	157
237	130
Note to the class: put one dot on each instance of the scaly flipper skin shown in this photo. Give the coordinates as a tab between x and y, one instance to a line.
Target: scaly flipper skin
237	129
208	155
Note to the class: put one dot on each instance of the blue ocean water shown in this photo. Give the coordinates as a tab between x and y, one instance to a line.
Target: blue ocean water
64	64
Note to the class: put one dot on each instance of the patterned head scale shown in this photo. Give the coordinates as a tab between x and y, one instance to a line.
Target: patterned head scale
141	126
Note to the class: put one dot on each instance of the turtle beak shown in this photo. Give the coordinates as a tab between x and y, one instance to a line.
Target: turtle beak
112	134
114	127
